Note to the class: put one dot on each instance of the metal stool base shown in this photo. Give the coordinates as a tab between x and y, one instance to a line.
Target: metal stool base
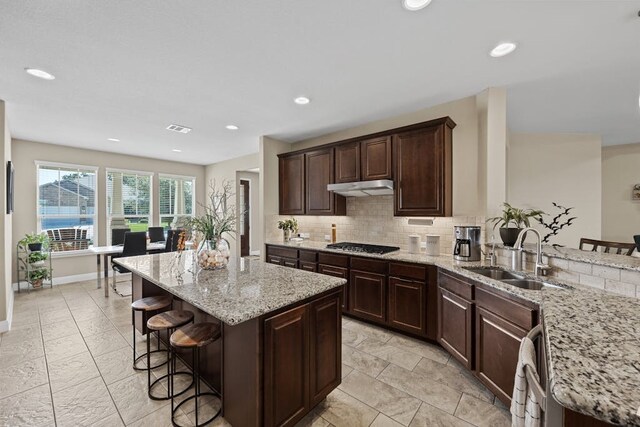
137	359
173	413
168	394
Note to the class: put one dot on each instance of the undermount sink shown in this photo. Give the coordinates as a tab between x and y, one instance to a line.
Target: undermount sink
494	273
531	285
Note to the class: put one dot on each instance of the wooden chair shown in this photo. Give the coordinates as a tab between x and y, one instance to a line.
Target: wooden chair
620	248
637	240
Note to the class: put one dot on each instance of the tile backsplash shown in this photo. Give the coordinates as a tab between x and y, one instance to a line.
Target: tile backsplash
371	220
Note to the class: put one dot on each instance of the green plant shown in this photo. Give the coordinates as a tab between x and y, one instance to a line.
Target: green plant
518	217
36	256
219	215
288	224
34	238
39	274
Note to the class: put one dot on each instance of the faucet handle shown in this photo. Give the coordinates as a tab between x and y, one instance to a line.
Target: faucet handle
543	269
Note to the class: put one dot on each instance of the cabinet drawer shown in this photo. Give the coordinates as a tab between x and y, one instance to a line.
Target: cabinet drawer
272	259
455	285
308	266
290	262
332	259
310	256
409	271
369	265
282	252
513	312
330	270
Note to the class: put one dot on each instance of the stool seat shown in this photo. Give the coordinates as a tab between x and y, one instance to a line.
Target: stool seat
196	335
151	303
169	320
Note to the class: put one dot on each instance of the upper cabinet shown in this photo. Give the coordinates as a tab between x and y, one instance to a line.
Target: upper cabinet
291	183
348	162
423	170
376	158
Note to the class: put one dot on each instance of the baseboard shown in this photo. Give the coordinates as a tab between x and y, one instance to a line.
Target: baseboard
5	325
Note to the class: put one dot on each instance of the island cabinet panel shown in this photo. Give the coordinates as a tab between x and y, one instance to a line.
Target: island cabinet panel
286	367
497	346
376	158
319	173
291	184
368	295
348	162
423	171
325	347
455	326
407	305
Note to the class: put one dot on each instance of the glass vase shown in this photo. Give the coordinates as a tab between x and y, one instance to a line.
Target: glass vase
213	254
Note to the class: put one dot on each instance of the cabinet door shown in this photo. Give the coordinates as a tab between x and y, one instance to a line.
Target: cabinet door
407	305
348	162
455	326
497	346
368	295
319	173
325	347
289	262
308	266
286	366
376	158
274	259
291	180
422	162
342	273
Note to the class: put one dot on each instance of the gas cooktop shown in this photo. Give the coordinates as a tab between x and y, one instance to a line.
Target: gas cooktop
363	248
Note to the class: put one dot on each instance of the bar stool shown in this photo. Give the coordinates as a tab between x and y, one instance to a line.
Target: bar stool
146	306
167	321
194	337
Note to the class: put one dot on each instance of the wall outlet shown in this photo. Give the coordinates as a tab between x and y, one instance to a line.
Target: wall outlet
327	238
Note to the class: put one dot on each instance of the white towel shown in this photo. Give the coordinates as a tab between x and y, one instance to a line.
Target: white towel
525	409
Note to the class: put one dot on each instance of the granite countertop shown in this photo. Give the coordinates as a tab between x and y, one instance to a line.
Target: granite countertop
592	336
246	289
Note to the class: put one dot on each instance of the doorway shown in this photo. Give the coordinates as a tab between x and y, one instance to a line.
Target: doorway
245	215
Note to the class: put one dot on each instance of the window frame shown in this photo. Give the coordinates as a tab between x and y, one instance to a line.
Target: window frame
95	238
193	196
106	197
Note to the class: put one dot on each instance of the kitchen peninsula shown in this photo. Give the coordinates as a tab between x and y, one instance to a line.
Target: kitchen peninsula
280	352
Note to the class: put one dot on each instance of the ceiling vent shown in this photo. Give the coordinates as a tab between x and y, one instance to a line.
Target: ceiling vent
178	128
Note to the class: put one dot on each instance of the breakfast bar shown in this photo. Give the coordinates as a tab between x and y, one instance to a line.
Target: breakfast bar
280	352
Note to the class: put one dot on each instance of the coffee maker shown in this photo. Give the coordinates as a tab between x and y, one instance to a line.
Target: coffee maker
467	245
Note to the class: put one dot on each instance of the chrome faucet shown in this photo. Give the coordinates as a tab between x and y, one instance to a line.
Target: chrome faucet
541	269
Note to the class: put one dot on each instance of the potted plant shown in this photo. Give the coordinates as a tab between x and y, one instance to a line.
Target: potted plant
36	277
34	241
512	221
37	259
287	226
219	218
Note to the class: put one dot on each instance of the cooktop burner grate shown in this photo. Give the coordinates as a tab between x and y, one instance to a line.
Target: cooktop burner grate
363	248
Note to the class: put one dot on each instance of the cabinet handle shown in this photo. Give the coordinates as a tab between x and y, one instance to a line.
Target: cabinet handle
329	271
454	302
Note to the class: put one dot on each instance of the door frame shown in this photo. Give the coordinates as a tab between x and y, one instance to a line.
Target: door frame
248	217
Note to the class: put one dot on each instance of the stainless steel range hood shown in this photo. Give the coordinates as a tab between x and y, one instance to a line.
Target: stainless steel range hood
379	187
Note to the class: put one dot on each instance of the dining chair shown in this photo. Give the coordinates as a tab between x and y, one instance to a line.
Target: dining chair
619	247
636	238
156	234
117	235
135	243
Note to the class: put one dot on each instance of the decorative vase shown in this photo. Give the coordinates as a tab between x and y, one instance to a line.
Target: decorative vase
213	254
37	283
509	235
287	235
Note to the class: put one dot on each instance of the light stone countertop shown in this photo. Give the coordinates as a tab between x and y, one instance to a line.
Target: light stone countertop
246	289
592	336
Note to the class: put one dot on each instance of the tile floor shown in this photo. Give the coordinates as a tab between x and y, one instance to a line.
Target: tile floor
67	362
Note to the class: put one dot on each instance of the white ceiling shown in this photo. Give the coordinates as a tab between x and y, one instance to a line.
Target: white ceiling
127	69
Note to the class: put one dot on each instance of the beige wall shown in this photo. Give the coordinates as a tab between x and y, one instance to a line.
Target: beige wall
6	293
561	168
25	153
620	172
228	170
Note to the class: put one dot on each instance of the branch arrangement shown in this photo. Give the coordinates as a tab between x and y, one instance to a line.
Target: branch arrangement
558	222
219	215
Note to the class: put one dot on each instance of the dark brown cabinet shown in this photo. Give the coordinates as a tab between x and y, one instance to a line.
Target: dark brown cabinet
376	158
341	272
325	347
455	327
407	305
368	295
423	170
291	184
348	162
319	173
308	266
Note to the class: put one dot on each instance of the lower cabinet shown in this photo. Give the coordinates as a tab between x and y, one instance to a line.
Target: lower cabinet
368	295
302	360
342	273
455	326
407	305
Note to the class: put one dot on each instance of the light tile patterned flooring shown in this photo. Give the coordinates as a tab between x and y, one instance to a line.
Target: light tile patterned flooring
67	362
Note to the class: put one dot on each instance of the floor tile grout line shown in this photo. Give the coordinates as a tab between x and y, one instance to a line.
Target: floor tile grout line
46	366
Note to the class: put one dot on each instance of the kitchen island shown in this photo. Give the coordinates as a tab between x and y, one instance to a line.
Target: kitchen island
280	352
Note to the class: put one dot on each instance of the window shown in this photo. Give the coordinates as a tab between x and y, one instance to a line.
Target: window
176	200
128	200
67	205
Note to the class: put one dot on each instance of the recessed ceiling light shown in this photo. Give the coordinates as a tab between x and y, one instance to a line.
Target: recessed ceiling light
503	49
232	127
113	139
175	150
302	100
413	5
39	73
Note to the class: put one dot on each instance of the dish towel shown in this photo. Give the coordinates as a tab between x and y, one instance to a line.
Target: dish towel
525	409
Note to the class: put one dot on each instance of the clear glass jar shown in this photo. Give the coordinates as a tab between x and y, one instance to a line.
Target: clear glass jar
213	254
